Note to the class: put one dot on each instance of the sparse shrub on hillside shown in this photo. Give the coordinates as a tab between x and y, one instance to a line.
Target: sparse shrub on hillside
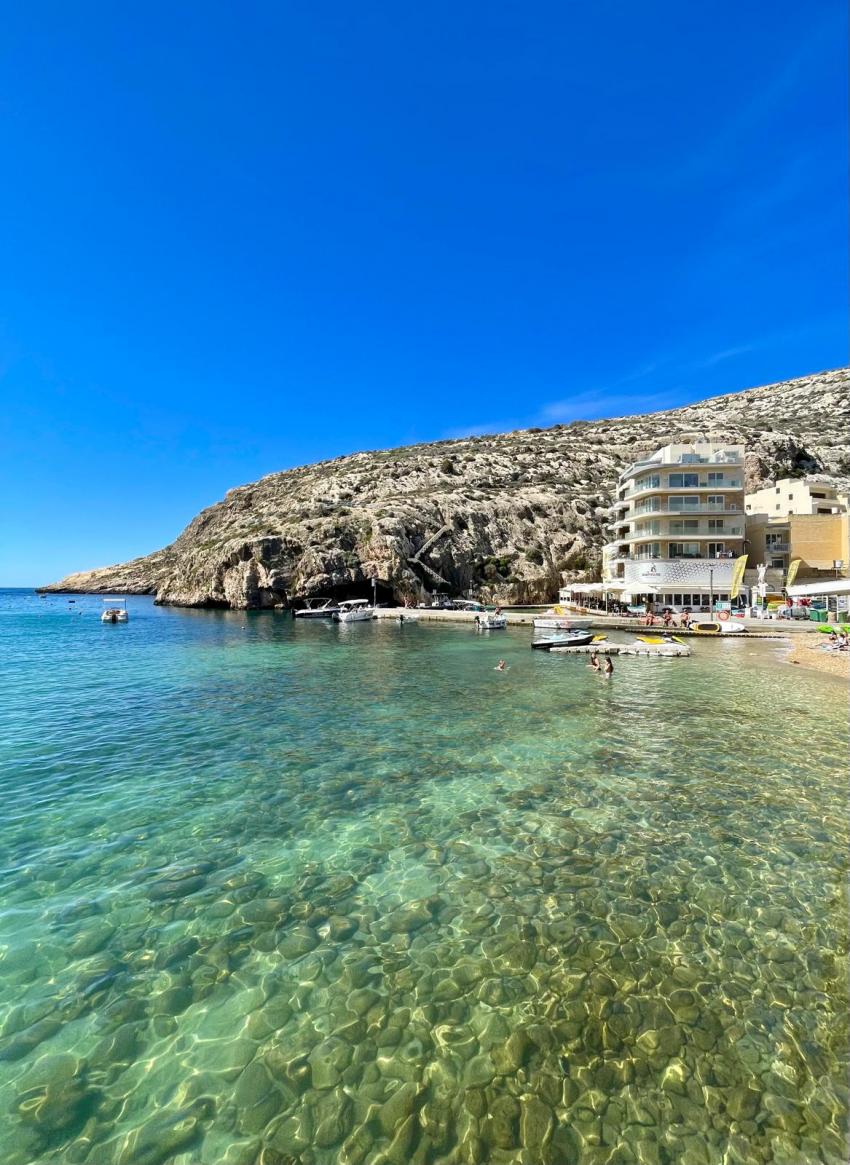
447	466
535	555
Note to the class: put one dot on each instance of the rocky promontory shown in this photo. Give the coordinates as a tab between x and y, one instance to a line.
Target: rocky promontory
511	516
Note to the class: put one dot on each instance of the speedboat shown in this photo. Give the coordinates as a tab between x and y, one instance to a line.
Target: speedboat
317	609
489	621
575	638
354	611
117	613
559	619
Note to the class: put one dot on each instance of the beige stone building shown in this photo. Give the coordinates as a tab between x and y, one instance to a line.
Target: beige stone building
804	518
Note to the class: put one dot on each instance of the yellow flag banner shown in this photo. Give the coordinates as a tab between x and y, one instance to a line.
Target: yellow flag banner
738	575
792	572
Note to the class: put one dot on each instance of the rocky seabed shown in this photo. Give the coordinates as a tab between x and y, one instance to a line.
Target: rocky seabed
549	998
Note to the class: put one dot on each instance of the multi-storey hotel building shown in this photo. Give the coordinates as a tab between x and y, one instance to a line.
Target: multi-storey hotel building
678	525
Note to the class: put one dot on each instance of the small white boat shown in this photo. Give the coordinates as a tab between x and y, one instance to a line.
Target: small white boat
559	619
354	611
317	609
116	613
489	621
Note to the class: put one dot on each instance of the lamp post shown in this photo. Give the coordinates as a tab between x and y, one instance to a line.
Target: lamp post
711	589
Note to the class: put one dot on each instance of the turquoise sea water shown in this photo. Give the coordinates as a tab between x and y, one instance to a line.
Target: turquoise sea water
278	893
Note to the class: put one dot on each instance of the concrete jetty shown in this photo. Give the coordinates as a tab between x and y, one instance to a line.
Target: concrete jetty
601	622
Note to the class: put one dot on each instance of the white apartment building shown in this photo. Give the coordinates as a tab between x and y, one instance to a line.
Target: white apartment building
678	525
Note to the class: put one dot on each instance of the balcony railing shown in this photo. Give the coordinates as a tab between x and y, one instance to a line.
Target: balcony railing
636	487
666	508
728	556
679	535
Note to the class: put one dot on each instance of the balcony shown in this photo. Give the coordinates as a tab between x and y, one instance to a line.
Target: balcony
735	533
662	509
778	548
637	490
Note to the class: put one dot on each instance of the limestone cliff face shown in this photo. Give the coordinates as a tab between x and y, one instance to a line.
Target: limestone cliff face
511	516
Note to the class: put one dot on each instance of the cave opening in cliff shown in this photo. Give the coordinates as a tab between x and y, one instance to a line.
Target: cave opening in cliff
384	592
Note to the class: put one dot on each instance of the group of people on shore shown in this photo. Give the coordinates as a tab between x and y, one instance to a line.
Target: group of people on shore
838	641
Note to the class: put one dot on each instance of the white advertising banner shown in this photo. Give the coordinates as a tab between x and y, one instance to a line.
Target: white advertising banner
686	574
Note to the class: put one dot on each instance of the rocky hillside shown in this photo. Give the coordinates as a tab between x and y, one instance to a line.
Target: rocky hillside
510	516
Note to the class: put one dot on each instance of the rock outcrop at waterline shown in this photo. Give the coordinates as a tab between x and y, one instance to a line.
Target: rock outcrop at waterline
511	516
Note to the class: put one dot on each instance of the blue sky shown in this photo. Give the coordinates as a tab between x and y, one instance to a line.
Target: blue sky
237	238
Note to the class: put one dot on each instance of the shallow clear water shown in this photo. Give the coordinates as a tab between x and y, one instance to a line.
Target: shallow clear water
303	893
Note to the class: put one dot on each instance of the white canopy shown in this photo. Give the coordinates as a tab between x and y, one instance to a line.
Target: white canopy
838	586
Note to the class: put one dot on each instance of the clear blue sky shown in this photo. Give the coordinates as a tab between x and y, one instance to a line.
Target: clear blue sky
239	237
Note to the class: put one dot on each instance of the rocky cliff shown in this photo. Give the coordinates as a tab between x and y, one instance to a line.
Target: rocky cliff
510	516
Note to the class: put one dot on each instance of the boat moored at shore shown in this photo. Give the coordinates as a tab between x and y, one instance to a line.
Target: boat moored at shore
557	618
317	608
354	611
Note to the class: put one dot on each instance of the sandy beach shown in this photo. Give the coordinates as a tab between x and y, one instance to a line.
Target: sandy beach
812	655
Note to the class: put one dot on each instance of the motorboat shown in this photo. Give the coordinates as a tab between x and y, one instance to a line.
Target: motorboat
468	605
317	609
557	618
490	621
717	627
575	638
117	613
354	611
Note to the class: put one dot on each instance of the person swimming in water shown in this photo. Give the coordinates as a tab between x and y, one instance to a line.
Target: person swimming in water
609	667
501	666
594	661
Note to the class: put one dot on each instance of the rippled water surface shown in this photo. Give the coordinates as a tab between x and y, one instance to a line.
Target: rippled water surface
311	894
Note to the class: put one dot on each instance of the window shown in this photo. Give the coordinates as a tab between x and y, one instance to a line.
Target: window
686	502
684	525
790	497
684	549
777	489
715	523
715	549
651	482
820	497
716	501
677	600
715	478
777	563
684	480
